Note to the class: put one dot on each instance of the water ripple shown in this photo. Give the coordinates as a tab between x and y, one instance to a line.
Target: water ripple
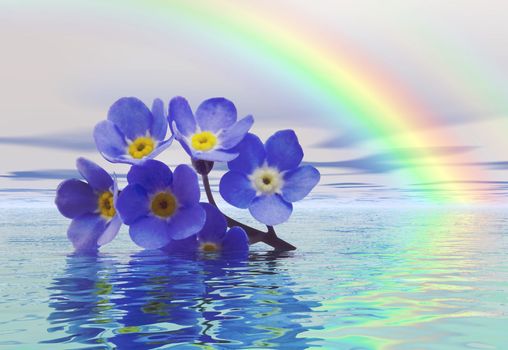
364	279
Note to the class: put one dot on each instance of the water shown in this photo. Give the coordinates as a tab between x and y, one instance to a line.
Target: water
361	279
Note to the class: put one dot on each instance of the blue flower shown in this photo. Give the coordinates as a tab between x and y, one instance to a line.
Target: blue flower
91	206
213	237
211	132
267	178
160	206
132	133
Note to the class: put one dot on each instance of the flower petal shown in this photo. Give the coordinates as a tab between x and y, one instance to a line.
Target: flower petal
251	156
132	204
96	177
234	134
159	127
214	156
150	232
116	192
85	230
185	245
180	114
235	240
182	139
237	189
152	175
283	150
111	230
162	146
271	209
185	186
127	159
215	114
131	116
75	198
187	221
299	182
215	225
109	140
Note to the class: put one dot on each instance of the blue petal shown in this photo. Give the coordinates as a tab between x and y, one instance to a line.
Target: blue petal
215	225
233	135
215	114
187	221
214	156
85	230
131	116
111	230
251	155
186	148
271	209
109	140
115	189
96	177
159	127
74	198
150	232
162	146
235	240
152	175
299	182
132	204
185	186
123	159
283	150
181	114
186	245
237	189
181	138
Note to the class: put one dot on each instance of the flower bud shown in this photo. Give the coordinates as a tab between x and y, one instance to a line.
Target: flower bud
202	167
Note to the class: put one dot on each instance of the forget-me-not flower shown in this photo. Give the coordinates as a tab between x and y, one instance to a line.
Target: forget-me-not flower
210	133
267	178
90	205
160	206
132	133
213	237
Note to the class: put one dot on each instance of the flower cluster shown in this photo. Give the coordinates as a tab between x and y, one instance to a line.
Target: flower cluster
162	207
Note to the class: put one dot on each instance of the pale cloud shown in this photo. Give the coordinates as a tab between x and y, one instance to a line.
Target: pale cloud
61	70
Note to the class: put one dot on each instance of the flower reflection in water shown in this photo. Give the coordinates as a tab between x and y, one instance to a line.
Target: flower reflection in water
81	299
190	301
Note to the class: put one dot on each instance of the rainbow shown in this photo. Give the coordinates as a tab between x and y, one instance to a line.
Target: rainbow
352	89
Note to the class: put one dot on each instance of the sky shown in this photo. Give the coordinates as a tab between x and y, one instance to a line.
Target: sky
395	102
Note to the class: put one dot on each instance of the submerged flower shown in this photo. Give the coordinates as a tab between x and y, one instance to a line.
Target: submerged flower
160	206
212	131
132	133
267	178
213	237
91	206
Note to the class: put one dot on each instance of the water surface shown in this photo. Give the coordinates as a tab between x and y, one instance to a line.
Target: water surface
362	278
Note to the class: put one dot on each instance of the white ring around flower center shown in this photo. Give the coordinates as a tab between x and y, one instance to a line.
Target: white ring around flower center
266	180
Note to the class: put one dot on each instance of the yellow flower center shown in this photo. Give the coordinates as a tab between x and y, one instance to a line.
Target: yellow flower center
164	204
204	141
209	247
141	147
106	205
266	180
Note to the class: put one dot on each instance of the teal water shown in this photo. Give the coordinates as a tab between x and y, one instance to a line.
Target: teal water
361	279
